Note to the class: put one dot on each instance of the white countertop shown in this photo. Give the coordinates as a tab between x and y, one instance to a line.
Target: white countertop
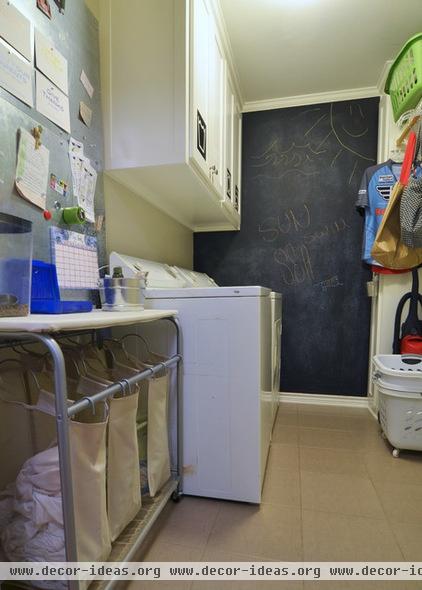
81	321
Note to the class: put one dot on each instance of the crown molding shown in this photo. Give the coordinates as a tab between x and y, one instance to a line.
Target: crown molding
305	99
383	75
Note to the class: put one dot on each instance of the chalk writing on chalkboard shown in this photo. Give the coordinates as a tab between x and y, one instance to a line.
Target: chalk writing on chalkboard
330	229
294	219
278	163
330	283
296	264
305	158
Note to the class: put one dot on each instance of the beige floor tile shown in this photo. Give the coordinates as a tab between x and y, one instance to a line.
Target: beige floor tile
254	584
363	585
286	419
372	442
282	486
344	494
189	522
360	413
335	421
158	585
283	457
287	407
160	551
269	531
402	502
329	439
284	434
332	461
409	538
287	415
337	537
246	585
384	467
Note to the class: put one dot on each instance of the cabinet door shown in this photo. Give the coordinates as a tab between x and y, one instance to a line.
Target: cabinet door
200	63
237	156
228	165
216	108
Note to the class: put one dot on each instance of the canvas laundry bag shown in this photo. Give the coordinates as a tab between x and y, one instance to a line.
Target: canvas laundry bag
155	392
388	249
158	453
123	486
87	436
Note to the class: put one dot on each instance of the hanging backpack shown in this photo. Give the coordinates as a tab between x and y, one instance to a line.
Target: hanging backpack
410	339
411	205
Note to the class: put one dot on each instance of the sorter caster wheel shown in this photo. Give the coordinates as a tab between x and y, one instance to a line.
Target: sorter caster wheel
396	453
176	496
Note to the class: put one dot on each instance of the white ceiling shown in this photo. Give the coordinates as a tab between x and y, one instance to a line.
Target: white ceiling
292	47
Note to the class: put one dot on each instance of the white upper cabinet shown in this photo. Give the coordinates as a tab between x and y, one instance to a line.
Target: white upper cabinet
217	79
232	167
201	23
228	160
164	77
237	156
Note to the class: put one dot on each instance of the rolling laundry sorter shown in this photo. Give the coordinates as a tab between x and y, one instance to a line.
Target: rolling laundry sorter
48	330
228	398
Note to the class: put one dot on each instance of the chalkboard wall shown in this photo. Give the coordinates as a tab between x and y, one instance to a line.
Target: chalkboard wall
301	236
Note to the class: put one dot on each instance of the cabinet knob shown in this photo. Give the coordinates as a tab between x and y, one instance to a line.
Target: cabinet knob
214	170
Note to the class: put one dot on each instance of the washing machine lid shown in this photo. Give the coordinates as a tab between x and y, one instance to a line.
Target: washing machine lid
193	278
275	295
166	282
207	292
160	275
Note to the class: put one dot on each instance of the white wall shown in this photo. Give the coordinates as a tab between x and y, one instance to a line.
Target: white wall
94	6
137	228
390	287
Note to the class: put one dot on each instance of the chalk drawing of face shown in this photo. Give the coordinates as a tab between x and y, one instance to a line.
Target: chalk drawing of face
347	124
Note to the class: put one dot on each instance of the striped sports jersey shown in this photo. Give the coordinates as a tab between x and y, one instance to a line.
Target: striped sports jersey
375	190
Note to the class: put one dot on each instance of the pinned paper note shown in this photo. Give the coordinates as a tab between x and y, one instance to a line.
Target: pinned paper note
87	187
16	75
84	178
44	6
85	113
15	28
87	84
51	62
52	103
32	170
58	185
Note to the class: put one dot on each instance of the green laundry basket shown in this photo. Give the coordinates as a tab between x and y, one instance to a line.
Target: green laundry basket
404	81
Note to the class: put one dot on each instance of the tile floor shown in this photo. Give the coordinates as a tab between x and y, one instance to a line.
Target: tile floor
333	492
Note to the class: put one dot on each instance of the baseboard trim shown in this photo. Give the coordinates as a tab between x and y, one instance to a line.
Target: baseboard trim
346	401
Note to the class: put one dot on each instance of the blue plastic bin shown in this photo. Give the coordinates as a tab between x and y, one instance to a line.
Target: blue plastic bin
45	292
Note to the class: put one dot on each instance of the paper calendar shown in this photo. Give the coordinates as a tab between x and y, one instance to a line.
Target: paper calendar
76	258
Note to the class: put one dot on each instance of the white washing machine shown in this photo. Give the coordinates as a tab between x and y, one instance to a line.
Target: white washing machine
227	377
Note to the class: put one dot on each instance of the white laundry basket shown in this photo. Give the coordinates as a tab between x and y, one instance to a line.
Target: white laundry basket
399	380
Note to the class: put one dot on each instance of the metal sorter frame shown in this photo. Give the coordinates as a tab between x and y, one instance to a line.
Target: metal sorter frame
65	412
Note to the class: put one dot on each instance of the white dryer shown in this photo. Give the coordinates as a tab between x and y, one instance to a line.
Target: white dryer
227	377
276	331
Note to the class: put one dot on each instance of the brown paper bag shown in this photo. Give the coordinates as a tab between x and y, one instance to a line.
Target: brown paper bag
388	249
